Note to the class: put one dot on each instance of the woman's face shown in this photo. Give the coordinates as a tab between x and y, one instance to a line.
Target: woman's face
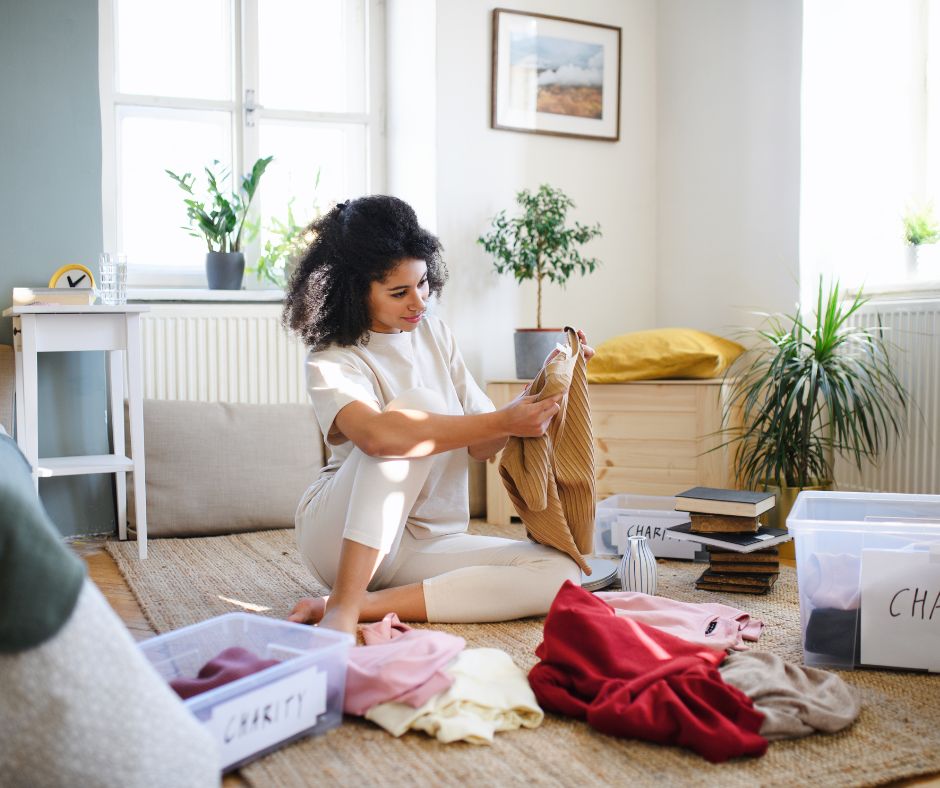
398	302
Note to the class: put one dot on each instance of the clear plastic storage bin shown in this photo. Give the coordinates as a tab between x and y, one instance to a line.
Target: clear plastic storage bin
868	570
622	516
249	717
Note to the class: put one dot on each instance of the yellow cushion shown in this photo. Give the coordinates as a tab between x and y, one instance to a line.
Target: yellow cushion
662	353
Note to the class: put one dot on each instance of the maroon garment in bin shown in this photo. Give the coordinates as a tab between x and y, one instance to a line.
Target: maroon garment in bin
233	663
627	679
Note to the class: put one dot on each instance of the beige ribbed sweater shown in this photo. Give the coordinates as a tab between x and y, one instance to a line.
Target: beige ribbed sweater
550	479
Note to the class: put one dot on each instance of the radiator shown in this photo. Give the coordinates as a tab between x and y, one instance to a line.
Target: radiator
221	353
912	464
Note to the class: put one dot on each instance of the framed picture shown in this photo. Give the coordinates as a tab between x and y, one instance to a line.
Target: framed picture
553	75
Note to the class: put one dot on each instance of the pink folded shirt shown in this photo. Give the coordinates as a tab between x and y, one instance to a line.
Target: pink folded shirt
398	663
707	623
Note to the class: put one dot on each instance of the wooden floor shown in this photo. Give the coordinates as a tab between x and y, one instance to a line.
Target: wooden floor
103	571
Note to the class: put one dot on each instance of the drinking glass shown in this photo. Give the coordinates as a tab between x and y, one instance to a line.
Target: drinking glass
112	278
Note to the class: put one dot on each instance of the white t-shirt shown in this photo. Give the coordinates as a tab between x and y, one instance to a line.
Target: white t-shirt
378	372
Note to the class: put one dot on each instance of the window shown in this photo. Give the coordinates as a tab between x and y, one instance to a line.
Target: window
870	141
187	82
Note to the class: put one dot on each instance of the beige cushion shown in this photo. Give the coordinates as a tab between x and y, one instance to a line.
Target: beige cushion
87	708
217	468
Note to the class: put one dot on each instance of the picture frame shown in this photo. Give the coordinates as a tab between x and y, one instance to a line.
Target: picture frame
554	75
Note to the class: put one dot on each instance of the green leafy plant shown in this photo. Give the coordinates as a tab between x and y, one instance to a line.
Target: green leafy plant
539	244
807	391
921	227
286	243
222	220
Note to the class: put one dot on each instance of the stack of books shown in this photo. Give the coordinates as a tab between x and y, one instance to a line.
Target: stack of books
60	296
743	554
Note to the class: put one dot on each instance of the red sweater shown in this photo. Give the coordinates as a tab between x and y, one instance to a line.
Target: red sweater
628	679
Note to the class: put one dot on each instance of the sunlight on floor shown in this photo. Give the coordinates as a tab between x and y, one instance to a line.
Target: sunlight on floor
244	605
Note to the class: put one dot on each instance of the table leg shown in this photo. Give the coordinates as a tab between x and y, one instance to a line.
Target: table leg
29	442
116	396
135	409
19	404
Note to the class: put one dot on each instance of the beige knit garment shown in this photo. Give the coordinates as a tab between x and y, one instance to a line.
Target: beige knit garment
550	479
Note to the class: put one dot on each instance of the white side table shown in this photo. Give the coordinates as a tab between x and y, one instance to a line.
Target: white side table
115	330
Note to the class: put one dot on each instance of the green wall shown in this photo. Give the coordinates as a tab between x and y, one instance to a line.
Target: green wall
50	214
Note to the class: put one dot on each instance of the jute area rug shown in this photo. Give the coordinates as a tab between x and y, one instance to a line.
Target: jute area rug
188	580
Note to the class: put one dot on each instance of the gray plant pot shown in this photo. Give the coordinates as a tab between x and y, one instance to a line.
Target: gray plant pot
532	347
225	270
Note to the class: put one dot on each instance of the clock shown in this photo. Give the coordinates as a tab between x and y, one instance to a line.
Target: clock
73	275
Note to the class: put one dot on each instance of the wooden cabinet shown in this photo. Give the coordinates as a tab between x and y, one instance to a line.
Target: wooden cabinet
650	438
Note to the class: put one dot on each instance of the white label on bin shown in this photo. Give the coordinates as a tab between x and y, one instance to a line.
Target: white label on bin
263	717
900	613
654	529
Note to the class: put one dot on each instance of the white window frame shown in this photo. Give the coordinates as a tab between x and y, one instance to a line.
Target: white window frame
244	134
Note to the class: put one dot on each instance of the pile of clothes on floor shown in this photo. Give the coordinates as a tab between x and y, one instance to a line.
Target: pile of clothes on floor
629	664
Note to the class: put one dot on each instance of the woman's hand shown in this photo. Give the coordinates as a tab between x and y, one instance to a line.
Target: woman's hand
586	349
526	418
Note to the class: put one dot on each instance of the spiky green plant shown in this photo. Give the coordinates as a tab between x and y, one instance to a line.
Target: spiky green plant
806	392
222	222
539	244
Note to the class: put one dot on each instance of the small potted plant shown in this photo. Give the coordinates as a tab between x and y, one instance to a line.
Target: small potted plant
222	221
539	244
806	391
286	242
920	228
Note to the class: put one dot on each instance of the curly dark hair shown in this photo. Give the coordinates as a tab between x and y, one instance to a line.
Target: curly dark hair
358	242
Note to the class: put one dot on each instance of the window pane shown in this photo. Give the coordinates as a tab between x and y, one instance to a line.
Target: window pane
300	150
151	211
174	48
311	55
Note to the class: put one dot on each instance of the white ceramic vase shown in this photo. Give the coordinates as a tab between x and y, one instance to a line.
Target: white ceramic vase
638	566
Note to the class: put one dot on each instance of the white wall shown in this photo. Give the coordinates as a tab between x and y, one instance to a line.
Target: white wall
479	170
698	200
728	160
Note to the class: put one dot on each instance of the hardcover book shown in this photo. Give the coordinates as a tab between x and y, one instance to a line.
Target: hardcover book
769	556
738	568
28	296
723	523
712	500
739	543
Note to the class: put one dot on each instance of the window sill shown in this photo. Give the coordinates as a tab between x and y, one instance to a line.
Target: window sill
926	290
194	294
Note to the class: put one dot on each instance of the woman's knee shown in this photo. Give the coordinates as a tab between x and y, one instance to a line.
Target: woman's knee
553	568
418	399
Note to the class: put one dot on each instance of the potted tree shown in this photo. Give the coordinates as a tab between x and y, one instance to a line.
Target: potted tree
806	391
538	244
221	222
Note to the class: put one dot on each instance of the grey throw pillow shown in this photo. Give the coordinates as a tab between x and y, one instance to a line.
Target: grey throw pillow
219	468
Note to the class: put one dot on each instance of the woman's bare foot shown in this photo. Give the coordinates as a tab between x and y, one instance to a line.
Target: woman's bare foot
308	610
312	610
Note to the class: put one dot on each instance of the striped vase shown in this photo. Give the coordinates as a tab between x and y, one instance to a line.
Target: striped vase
638	566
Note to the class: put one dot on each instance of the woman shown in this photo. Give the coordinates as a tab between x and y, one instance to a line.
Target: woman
384	525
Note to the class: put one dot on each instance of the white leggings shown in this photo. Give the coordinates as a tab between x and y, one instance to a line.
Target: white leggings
466	578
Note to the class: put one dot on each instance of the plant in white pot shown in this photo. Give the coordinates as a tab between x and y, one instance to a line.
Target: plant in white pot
220	220
920	229
539	244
